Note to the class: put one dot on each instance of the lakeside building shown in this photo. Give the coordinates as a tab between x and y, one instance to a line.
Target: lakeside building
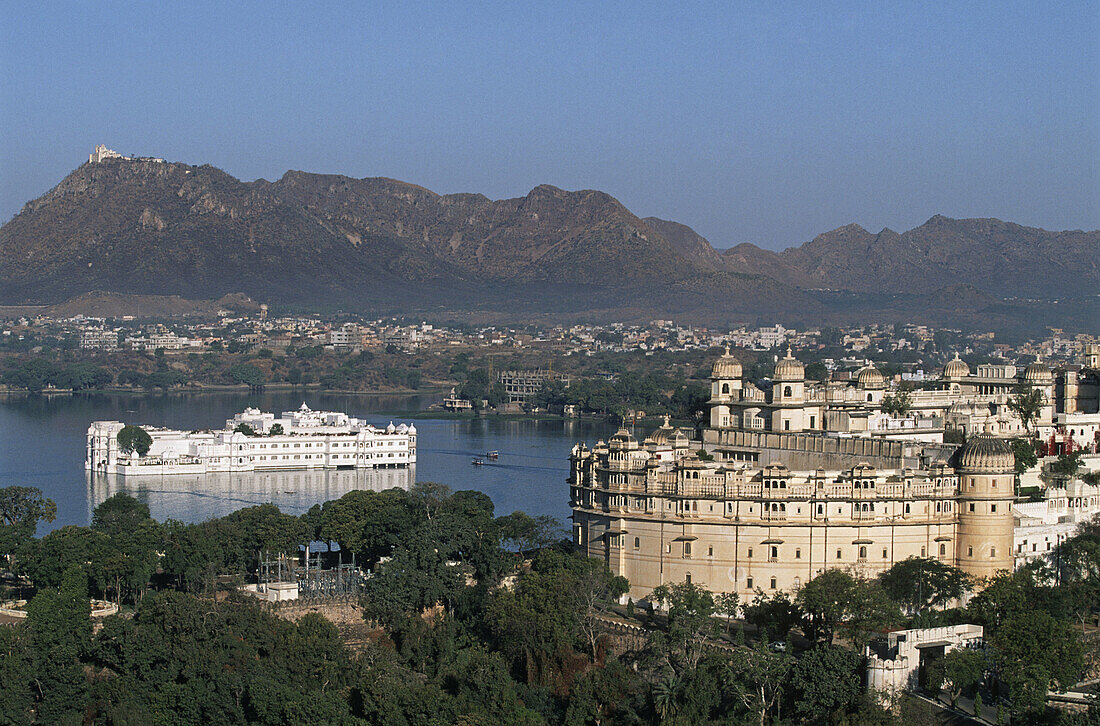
522	385
305	439
656	513
970	403
772	506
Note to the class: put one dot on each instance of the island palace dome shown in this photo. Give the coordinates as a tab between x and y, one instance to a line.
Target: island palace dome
789	368
956	368
726	366
870	377
983	452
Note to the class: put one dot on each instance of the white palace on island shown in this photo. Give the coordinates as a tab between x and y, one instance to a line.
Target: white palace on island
254	441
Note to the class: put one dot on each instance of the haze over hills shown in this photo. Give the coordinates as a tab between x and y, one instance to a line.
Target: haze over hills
158	228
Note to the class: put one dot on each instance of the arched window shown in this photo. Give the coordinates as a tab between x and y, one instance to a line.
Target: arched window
637	543
943	550
787	392
862	552
725	388
869	399
687	579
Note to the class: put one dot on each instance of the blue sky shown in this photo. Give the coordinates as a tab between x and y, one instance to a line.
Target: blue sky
751	122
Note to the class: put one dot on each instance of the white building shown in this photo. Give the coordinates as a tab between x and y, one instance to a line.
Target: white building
1041	526
97	338
308	440
897	664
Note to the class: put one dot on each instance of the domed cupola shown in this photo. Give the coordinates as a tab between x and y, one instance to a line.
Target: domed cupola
869	377
726	366
956	368
985	453
789	369
1037	374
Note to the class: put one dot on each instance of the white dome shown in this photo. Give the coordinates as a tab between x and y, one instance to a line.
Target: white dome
789	369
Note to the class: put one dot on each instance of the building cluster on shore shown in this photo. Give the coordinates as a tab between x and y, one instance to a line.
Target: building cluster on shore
788	482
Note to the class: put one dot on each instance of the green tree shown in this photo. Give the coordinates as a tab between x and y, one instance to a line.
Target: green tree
1026	456
129	557
21	509
1026	402
60	634
275	430
835	601
897	404
826	682
756	677
958	670
1067	465
727	604
774	615
1034	653
134	438
917	583
246	429
690	622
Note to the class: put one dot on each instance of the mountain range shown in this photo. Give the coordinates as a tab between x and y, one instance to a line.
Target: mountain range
148	227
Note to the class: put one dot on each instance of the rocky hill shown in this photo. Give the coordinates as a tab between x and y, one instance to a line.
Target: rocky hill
145	227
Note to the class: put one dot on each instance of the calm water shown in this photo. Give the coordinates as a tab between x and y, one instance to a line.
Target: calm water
42	445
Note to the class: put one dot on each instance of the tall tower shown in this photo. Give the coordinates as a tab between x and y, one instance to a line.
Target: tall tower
725	388
986	466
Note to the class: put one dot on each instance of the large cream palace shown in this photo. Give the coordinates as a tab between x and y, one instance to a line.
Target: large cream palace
774	501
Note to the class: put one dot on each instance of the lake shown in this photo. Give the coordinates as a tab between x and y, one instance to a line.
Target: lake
42	440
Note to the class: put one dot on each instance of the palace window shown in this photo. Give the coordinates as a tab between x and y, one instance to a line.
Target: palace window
687	579
922	552
838	553
787	391
862	552
992	551
884	555
668	549
798	554
637	542
687	549
773	583
907	509
993	508
969	551
943	550
748	583
972	506
710	552
725	388
750	553
775	552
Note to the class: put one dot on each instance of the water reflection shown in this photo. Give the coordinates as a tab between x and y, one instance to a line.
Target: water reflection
194	498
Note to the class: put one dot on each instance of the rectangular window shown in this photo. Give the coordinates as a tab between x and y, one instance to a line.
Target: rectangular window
748	583
993	508
750	553
710	552
972	506
798	554
687	549
775	552
838	554
969	551
773	583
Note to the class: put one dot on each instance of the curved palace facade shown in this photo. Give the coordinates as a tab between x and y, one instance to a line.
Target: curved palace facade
670	509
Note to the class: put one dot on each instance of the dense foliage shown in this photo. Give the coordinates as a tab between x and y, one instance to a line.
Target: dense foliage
478	619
